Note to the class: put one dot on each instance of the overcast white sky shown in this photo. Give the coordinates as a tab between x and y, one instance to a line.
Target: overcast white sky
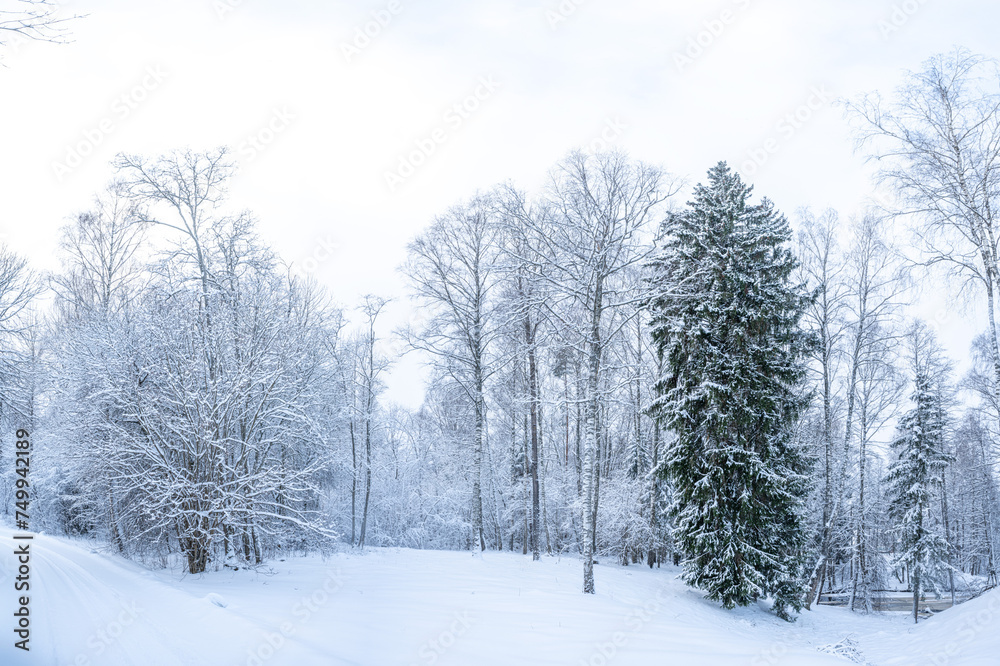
202	73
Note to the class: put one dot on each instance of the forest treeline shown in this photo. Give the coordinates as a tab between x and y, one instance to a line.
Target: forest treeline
613	372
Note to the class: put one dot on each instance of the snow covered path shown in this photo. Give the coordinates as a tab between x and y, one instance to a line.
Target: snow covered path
87	608
402	607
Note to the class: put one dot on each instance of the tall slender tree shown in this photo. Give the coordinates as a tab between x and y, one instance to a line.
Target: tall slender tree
523	262
822	269
452	269
603	205
371	366
937	144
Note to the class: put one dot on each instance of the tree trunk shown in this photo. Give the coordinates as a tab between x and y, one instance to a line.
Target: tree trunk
819	571
196	553
947	532
598	461
566	400
524	470
590	447
354	481
368	481
588	499
116	538
654	462
529	338
245	538
477	463
860	563
256	546
527	530
541	485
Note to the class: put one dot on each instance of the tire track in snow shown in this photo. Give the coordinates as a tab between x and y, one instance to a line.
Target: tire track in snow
75	594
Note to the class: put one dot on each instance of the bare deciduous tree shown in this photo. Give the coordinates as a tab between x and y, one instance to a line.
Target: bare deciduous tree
937	145
604	205
370	368
102	247
452	268
35	20
822	268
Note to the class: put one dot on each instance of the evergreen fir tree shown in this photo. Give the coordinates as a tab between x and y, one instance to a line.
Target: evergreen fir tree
914	479
726	318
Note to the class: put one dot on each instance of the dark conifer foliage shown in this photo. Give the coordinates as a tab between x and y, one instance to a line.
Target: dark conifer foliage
725	315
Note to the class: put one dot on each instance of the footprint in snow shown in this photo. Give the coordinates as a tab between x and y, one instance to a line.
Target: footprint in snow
216	599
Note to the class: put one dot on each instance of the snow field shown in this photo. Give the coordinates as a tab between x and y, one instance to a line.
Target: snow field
398	607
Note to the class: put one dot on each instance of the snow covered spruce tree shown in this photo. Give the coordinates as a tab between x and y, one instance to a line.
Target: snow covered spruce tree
725	315
916	475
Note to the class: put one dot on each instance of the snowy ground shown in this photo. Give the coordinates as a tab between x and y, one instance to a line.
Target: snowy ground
405	607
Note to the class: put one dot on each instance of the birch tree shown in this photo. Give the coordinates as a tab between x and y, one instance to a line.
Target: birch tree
874	296
822	269
370	370
937	145
603	205
452	271
95	292
523	266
